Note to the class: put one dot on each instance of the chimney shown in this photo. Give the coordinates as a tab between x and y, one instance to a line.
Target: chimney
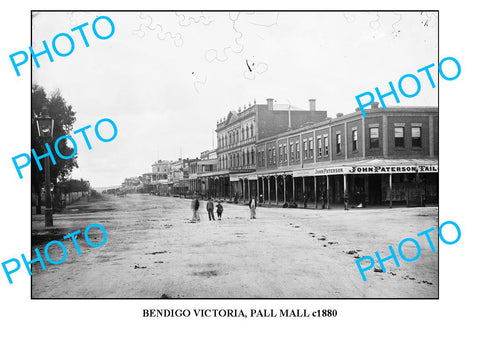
270	104
339	115
312	104
357	109
375	105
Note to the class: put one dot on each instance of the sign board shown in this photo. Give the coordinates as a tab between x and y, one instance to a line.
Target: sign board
301	173
377	169
393	169
331	171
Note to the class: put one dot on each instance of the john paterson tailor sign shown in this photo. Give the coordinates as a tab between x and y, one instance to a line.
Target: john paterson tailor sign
348	170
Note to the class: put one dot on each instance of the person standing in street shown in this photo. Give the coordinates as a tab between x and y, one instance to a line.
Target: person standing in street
219	210
210	209
195	207
252	204
345	199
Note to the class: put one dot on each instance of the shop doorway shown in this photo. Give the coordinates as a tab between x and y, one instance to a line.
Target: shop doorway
375	189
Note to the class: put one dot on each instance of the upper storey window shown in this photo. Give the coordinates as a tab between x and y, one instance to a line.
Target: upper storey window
399	137
416	137
374	141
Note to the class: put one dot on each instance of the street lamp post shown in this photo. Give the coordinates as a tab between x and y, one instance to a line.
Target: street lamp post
45	131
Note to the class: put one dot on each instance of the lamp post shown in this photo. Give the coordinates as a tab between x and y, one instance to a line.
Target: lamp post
45	131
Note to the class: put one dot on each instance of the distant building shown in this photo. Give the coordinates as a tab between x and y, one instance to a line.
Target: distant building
200	173
178	177
160	171
157	180
131	182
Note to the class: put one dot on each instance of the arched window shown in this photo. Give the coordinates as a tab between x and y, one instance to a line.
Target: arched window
246	130
243	133
253	157
237	136
248	157
251	130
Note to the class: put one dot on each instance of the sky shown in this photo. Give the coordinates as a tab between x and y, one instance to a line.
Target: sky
166	78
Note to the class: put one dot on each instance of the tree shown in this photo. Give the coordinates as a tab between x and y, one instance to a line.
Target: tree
64	118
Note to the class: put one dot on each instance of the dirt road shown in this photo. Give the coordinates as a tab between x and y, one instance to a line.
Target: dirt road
153	250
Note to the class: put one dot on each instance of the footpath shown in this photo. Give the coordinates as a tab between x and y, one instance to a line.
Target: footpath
64	222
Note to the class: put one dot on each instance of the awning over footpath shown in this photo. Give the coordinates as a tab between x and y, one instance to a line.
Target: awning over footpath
210	174
249	176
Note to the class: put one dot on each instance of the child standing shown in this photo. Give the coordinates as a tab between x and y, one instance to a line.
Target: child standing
219	210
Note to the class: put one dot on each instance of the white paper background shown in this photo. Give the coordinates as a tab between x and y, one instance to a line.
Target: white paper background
453	315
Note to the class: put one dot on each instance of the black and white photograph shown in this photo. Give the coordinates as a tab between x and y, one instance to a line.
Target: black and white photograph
225	156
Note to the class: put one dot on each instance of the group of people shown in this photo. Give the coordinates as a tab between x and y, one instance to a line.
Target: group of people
252	204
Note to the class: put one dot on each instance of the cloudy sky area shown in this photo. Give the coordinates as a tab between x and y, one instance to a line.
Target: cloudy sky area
166	78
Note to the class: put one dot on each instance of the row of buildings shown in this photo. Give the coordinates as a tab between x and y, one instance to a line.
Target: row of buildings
283	154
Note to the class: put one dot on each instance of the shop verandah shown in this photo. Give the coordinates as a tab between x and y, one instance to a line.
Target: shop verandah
215	185
360	190
226	186
373	182
370	182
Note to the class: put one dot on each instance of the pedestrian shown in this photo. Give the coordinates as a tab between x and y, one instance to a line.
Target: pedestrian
252	204
345	200
210	209
305	200
219	210
195	207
